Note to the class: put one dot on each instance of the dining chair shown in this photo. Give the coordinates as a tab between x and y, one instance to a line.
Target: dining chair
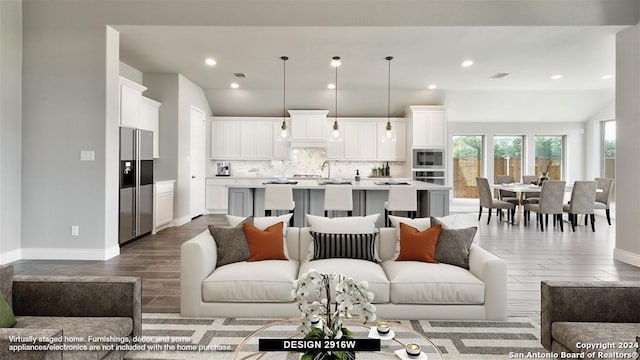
530	197
603	198
505	195
401	198
551	197
338	198
279	197
487	201
583	198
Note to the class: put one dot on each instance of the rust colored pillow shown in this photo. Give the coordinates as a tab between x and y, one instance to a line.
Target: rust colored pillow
265	244
418	245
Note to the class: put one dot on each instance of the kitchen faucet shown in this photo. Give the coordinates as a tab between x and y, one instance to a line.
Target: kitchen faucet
328	165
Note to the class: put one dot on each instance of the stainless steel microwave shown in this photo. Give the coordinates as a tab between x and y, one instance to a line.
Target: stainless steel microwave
428	159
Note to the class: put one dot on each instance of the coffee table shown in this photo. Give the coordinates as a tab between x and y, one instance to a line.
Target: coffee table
286	329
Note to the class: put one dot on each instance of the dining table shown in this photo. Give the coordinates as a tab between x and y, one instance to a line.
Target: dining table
520	189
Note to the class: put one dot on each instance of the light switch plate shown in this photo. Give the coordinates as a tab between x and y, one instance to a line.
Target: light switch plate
87	155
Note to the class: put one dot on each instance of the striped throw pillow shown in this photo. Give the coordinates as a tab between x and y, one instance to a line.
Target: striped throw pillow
352	246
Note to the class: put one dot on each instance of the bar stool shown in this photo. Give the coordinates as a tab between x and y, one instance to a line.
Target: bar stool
279	197
401	198
338	197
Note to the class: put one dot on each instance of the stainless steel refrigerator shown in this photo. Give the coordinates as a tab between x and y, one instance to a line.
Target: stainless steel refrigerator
136	183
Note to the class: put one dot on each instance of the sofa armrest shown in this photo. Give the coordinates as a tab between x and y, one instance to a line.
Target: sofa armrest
198	258
6	353
492	270
97	296
601	301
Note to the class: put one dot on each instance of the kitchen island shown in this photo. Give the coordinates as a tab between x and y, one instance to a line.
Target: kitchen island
246	197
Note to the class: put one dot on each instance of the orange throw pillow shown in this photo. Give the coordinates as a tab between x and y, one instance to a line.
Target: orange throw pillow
265	244
418	245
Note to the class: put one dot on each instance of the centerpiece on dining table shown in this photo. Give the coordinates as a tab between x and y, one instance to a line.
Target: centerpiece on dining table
325	301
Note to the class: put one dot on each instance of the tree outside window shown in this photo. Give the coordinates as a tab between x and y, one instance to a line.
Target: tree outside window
550	156
507	156
467	165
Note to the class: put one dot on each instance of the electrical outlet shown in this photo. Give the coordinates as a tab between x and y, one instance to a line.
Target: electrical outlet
87	155
75	229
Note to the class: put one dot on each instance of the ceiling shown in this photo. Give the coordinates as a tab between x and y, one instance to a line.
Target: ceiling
422	56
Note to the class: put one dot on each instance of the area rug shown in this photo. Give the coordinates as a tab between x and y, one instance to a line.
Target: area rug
457	340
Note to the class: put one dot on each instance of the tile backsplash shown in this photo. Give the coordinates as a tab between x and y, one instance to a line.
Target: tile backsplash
308	161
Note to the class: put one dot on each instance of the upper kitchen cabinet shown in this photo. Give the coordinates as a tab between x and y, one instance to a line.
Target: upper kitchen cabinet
428	126
130	99
393	151
149	120
359	140
225	139
244	138
308	128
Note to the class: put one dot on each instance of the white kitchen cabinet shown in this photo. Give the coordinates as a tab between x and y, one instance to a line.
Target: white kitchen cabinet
428	126
130	99
225	138
256	140
308	128
163	204
359	140
392	151
149	120
217	195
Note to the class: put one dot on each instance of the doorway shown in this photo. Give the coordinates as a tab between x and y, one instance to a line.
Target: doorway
197	162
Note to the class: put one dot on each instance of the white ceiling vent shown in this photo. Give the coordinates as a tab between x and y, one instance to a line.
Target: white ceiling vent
240	75
499	75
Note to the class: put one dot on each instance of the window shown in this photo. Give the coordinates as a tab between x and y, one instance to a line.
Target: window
608	149
467	165
550	156
507	156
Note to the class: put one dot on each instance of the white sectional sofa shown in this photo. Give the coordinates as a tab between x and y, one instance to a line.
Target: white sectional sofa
402	289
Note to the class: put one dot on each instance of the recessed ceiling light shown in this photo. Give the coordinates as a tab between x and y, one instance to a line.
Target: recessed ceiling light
331	86
607	77
556	77
234	85
336	61
210	61
433	87
467	63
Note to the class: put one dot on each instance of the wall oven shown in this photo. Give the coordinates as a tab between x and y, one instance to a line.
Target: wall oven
428	159
431	176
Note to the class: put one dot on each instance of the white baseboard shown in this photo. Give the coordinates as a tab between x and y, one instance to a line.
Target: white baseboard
68	254
10	256
111	252
626	257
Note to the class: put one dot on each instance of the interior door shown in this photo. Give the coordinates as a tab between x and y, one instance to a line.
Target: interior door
197	162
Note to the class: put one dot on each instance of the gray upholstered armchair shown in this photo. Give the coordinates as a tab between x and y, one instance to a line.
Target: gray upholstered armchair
70	306
578	313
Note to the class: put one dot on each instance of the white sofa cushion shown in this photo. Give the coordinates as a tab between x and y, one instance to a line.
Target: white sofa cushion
359	270
259	281
415	282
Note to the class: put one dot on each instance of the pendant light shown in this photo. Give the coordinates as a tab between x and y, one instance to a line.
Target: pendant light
336	136
284	129
389	135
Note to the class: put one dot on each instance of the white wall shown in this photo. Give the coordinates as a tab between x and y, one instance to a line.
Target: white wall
593	146
10	128
130	72
575	142
627	146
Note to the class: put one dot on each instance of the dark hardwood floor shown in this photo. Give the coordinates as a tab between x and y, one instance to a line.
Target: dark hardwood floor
531	255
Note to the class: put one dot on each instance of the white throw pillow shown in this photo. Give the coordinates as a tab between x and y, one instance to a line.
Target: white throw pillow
343	225
419	223
263	223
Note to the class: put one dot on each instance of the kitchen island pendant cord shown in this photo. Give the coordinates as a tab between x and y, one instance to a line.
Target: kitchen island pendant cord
284	133
335	136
